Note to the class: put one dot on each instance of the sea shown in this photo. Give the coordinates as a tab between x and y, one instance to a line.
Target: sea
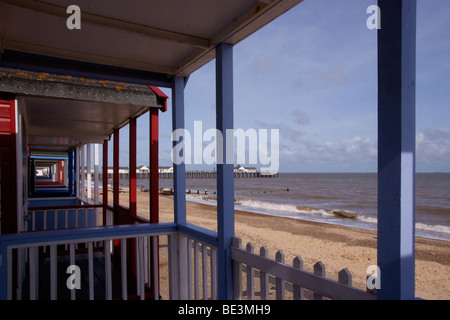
348	199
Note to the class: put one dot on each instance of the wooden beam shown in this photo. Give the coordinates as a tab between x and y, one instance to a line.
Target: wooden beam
105	179
70	172
132	169
83	56
396	148
179	175
116	175
154	165
225	174
155	33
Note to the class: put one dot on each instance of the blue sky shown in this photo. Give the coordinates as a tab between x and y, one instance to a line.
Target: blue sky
312	74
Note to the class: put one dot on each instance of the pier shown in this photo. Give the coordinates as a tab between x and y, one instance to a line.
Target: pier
196	175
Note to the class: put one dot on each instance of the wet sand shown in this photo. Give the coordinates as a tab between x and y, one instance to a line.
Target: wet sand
336	246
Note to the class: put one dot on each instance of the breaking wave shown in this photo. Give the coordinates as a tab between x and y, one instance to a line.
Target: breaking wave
299	212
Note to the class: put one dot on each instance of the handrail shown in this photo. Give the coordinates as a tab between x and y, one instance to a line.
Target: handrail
80	206
79	234
202	234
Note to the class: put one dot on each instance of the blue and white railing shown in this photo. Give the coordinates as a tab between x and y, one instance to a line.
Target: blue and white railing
186	244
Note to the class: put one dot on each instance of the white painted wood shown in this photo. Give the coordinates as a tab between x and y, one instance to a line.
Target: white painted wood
174	274
280	283
148	260
299	292
205	271
53	273
123	264
21	257
141	268
301	278
108	281
196	270
72	262
183	270
319	270
213	273
189	268
34	271
264	276
91	270
138	264
155	260
250	276
237	273
345	277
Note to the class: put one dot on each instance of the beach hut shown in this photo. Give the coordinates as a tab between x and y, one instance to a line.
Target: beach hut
74	76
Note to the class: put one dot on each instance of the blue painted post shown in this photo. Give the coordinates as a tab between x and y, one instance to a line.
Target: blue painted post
225	176
70	173
396	148
179	178
76	165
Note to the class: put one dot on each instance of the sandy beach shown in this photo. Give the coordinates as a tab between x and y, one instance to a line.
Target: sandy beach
336	246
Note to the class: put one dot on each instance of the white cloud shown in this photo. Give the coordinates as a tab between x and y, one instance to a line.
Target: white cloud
358	153
433	147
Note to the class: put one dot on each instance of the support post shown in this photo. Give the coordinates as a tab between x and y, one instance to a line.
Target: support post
77	172
70	173
88	173
116	176
96	173
105	179
179	178
153	189
225	175
132	172
154	164
83	177
396	148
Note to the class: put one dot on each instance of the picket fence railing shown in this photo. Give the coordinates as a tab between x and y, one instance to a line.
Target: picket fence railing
262	274
190	277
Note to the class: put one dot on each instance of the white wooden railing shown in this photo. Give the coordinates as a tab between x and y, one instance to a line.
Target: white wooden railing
192	260
192	266
289	281
63	217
